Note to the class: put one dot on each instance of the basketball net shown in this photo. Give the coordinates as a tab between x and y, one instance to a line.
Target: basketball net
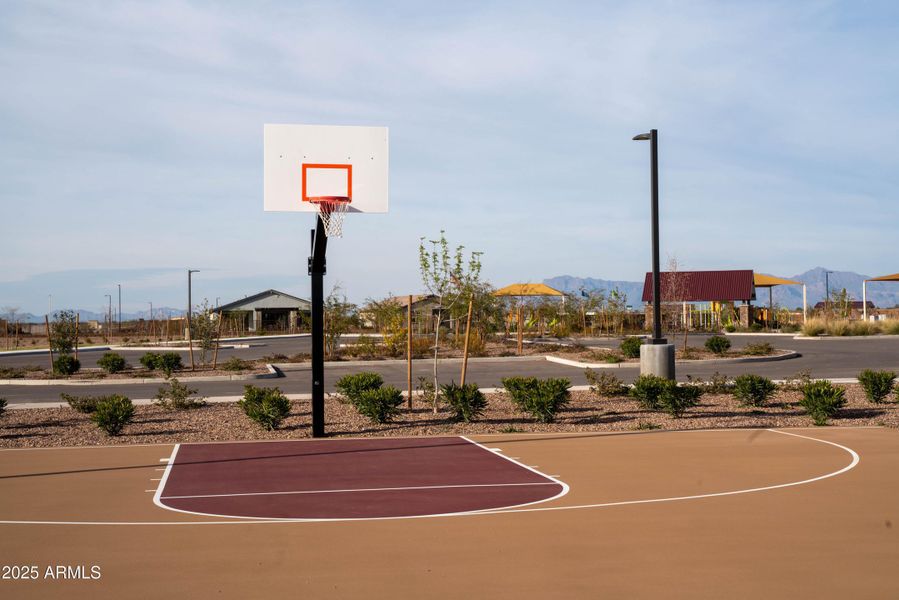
332	210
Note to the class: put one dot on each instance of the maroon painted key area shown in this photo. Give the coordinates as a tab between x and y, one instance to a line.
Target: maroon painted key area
347	479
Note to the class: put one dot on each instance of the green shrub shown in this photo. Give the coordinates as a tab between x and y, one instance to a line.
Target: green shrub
177	396
112	413
647	389
756	327
877	384
542	398
465	401
630	347
352	386
169	362
753	390
266	406
789	328
236	364
717	344
605	384
66	365
379	404
612	357
2	406
730	328
676	399
822	400
760	349
150	361
82	404
112	362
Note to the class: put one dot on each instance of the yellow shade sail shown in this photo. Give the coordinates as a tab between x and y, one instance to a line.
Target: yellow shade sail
527	289
770	281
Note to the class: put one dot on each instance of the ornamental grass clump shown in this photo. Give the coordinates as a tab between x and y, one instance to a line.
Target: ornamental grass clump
657	393
647	389
877	384
822	400
541	398
466	402
379	404
112	413
266	406
351	386
753	390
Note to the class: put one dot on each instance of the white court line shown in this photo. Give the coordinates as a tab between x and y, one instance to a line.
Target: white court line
165	476
260	521
350	490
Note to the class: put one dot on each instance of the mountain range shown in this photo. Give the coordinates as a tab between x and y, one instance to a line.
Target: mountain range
882	294
88	315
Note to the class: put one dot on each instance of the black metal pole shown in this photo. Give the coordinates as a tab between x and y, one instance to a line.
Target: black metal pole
656	282
317	272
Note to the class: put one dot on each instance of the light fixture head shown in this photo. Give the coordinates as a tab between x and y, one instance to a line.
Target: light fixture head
641	137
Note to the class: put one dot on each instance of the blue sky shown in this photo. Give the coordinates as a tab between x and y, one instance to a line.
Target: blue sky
131	140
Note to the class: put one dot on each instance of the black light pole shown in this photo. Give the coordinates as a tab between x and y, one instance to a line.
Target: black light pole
827	294
653	137
109	317
120	309
316	272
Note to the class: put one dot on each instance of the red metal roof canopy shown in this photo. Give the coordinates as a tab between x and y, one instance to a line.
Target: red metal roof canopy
703	286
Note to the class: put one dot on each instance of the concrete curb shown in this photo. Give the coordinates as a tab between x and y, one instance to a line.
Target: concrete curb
273	373
847	338
713	361
305	366
758	334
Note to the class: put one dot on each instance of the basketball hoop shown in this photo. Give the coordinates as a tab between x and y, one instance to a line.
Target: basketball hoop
332	210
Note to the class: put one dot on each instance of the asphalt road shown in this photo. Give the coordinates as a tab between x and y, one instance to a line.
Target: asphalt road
835	358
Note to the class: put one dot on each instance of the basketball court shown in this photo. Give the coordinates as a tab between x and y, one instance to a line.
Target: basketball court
805	512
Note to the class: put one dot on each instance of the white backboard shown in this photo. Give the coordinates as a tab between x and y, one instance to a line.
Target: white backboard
303	161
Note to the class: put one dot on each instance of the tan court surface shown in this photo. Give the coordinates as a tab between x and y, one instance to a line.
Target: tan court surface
835	537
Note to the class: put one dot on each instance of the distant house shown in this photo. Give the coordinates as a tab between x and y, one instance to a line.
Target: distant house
424	311
270	310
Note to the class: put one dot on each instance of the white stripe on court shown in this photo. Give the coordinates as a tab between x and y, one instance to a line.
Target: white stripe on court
350	490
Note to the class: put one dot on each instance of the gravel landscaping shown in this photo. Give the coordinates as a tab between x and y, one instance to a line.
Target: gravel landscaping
586	412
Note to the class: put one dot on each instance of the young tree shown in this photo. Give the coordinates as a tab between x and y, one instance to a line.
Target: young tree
204	329
340	317
676	288
616	306
63	332
449	278
390	321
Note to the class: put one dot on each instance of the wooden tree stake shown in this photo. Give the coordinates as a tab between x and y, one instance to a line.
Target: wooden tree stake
218	335
49	343
409	351
467	337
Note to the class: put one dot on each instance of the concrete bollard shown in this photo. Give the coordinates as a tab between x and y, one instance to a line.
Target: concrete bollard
657	359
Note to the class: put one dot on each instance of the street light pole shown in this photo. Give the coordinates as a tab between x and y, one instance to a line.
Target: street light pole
120	308
663	357
108	316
